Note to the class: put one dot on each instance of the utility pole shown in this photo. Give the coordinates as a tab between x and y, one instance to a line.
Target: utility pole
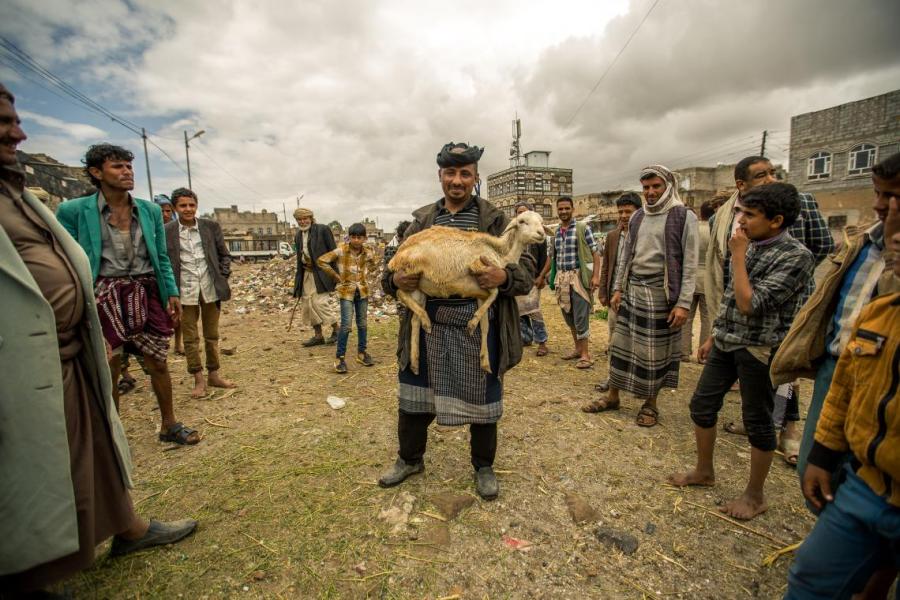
762	150
187	153
147	160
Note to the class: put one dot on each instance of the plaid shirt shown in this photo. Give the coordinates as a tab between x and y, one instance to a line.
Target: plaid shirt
779	273
565	246
810	229
353	270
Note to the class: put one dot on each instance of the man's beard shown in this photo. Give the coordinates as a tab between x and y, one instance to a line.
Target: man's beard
305	227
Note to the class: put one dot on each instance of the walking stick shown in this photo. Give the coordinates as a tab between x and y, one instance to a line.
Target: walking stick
293	312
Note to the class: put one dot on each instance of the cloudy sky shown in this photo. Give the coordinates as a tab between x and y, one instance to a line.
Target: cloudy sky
347	102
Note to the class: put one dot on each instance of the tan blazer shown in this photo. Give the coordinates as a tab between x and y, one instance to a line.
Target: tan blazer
37	503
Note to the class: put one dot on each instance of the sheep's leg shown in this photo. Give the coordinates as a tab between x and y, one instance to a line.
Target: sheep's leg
483	306
483	354
415	301
415	326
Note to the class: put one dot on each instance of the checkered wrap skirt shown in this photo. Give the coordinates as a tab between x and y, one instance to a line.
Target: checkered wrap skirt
451	383
645	353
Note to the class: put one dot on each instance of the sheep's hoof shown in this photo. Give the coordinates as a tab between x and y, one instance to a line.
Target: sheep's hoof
486	366
473	325
426	326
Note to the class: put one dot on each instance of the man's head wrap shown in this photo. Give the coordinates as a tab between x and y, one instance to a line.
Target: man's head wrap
527	205
302	212
457	155
162	199
670	197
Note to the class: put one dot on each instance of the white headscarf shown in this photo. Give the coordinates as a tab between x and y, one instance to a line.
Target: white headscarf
669	198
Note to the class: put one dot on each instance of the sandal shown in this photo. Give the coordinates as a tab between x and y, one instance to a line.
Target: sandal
584	364
599	405
734	428
179	434
126	384
647	417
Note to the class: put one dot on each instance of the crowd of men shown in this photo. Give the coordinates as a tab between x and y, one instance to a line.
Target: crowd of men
110	275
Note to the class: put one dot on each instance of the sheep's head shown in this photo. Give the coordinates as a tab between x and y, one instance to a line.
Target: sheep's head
529	227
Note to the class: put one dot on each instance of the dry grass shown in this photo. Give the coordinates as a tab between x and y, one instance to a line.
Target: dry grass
284	488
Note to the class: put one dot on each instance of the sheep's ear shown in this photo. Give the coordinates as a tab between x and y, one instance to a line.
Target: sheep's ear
511	225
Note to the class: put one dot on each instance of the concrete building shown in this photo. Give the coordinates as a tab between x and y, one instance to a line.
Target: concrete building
52	181
373	232
833	150
535	182
261	223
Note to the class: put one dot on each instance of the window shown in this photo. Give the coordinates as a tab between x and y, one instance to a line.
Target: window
862	158
269	230
819	166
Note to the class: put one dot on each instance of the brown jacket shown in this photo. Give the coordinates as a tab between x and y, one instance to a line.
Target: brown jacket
218	259
804	344
608	265
861	413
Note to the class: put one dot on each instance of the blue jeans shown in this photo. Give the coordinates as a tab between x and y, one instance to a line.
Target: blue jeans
533	329
361	306
855	535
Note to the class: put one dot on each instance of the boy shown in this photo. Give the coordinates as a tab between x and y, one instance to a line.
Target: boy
770	270
353	260
858	529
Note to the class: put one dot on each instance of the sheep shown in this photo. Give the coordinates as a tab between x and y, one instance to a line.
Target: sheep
446	259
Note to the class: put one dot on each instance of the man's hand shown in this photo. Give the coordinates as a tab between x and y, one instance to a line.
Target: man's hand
604	302
677	317
817	486
540	281
491	277
407	283
175	309
704	350
738	243
892	221
595	283
616	301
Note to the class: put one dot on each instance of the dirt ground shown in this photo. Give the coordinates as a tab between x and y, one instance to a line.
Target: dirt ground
285	487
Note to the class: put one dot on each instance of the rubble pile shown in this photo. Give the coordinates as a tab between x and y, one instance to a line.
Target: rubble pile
268	288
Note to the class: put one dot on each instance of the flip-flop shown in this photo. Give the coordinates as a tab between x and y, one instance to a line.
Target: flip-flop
584	364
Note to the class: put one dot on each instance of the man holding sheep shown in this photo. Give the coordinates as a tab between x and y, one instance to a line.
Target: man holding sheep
451	386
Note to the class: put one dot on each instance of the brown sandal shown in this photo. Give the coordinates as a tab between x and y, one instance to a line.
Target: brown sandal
647	417
599	405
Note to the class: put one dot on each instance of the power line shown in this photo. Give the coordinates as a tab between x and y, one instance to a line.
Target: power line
611	65
226	171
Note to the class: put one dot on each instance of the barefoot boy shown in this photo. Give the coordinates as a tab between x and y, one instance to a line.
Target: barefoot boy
770	271
353	260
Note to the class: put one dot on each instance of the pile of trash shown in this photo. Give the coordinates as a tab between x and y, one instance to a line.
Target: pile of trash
268	288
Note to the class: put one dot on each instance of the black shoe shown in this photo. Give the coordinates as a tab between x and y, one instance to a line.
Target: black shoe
316	340
158	534
398	472
486	483
340	365
332	339
363	358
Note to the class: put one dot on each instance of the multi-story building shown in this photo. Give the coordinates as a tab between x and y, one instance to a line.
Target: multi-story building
535	182
833	151
262	223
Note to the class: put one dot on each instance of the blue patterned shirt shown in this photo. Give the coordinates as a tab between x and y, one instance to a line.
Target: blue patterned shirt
565	246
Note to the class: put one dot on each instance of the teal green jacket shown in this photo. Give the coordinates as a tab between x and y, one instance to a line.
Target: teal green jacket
38	519
81	218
